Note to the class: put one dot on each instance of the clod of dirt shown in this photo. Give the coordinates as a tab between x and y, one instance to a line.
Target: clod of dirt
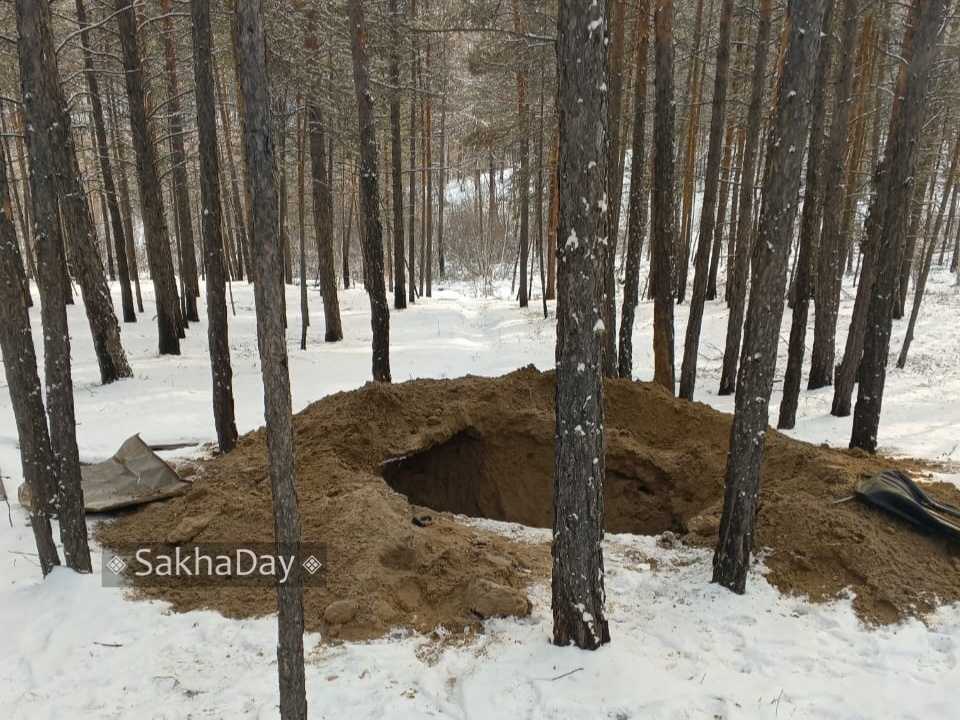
488	599
340	612
370	460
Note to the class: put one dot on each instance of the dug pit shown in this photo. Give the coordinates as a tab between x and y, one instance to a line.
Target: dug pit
371	461
507	475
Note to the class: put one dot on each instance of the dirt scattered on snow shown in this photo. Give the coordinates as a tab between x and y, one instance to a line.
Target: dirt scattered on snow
484	447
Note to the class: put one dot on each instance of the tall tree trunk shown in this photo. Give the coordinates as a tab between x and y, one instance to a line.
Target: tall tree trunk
553	217
442	194
781	185
813	200
832	251
412	160
663	201
523	142
42	112
76	213
210	226
123	197
371	236
271	339
639	195
744	238
323	225
849	369
178	159
302	220
900	159
690	159
616	18
106	172
721	220
239	216
396	161
426	266
23	382
151	196
688	370
578	589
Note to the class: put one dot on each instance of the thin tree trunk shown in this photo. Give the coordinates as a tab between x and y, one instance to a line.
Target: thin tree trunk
900	157
239	217
396	161
214	266
23	382
323	225
552	238
178	159
271	338
690	160
832	252
123	198
639	195
744	237
151	197
578	588
43	113
721	220
412	160
372	234
663	202
781	185
302	222
810	217
523	142
688	370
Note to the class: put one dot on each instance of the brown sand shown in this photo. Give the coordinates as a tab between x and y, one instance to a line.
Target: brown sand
484	447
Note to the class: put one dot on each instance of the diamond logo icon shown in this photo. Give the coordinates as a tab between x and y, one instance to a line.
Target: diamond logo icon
311	565
117	565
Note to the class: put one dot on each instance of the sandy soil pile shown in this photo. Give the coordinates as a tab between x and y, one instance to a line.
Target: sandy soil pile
484	447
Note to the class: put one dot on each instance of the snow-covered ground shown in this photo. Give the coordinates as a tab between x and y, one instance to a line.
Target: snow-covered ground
681	646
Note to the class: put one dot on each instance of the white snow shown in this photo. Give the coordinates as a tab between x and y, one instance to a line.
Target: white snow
682	648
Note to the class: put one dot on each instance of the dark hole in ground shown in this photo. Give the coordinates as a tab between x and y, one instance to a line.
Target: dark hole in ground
509	476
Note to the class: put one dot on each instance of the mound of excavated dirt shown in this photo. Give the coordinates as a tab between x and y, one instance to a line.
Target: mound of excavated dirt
484	447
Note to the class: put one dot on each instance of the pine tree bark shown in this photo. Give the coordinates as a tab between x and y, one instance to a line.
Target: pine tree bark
616	10
151	196
396	161
744	238
578	588
76	214
214	265
323	225
663	240
639	194
832	251
40	90
721	219
123	197
781	185
810	216
695	83
850	367
523	142
371	235
23	383
688	370
106	172
178	159
412	175
900	158
271	339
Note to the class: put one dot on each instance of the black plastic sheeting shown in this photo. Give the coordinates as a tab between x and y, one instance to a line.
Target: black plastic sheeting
897	494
